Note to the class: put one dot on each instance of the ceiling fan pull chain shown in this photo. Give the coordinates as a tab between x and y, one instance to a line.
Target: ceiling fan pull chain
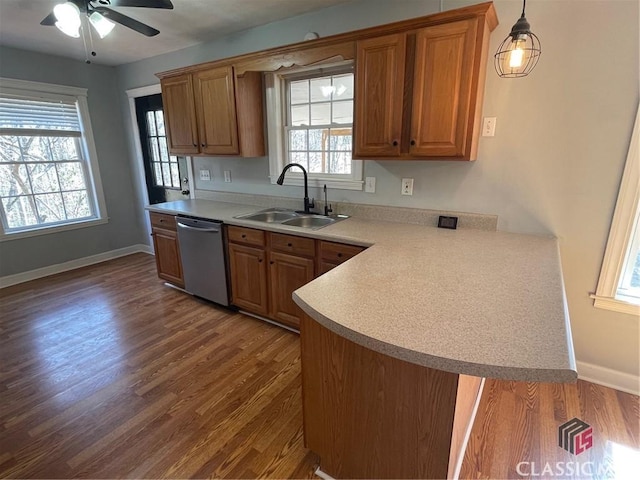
93	52
84	41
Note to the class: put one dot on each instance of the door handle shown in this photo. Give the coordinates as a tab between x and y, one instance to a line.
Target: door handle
198	229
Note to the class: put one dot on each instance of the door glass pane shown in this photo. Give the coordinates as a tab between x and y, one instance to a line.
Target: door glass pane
175	175
151	124
160	122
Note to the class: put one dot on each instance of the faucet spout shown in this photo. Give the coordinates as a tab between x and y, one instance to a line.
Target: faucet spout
308	204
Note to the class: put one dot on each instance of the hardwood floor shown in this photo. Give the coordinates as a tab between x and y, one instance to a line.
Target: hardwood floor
105	372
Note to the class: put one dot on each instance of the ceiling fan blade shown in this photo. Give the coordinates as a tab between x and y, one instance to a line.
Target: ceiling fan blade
138	3
127	21
49	20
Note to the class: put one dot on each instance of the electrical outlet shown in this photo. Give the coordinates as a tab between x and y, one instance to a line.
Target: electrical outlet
205	175
227	176
489	127
370	185
407	186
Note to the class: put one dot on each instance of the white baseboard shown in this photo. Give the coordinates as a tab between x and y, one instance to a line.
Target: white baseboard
625	382
72	264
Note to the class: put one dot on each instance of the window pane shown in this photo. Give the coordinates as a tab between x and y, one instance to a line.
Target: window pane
164	152
155	153
14	180
343	86
321	89
157	174
151	124
20	211
299	115
343	112
35	149
160	121
297	139
320	114
317	162
340	139
340	162
71	176
9	149
175	175
76	204
299	91
50	207
64	148
44	178
166	175
318	139
299	157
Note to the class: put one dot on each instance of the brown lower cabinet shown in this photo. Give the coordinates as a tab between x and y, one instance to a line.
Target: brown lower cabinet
266	268
166	247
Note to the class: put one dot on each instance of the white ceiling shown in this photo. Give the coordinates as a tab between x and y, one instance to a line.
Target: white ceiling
189	23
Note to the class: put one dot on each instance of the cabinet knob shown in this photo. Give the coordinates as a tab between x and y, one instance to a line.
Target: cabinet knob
413	142
202	144
244	236
271	262
395	143
259	260
195	144
339	255
289	245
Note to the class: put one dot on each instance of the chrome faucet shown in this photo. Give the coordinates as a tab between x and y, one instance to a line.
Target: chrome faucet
308	204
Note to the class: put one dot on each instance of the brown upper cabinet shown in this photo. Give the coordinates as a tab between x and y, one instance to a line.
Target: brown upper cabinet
211	112
419	85
419	94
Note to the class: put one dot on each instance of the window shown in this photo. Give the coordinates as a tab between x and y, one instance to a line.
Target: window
47	178
619	283
310	117
165	167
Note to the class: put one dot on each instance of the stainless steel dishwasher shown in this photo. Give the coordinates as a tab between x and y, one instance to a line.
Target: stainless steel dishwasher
203	258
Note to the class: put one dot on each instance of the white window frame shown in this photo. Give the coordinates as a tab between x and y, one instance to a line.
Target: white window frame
276	103
53	91
625	219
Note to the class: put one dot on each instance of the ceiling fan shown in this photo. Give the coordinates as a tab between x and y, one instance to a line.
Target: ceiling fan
67	16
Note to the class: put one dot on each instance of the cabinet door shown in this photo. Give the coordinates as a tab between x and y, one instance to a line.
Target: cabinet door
165	244
286	274
216	109
379	90
441	123
248	278
180	114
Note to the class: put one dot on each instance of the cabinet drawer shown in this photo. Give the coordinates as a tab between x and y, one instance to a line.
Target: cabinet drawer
291	244
338	252
163	220
249	236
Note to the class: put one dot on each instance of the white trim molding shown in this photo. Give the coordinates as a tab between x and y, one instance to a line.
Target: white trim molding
10	280
625	382
622	228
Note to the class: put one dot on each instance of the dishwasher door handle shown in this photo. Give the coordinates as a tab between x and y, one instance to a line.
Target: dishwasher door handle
197	229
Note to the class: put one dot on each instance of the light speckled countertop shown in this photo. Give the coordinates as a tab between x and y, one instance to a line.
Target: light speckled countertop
488	304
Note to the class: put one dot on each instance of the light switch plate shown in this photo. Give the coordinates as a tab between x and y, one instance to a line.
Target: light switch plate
370	185
227	176
205	175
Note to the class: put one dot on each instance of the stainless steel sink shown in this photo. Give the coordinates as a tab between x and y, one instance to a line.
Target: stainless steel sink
309	221
291	218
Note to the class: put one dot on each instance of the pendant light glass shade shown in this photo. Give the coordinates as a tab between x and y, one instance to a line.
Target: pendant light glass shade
101	24
518	54
68	18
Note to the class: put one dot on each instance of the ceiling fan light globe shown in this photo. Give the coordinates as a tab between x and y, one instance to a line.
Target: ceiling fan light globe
102	25
68	16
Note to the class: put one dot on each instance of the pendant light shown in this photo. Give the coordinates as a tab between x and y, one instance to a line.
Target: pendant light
101	24
68	18
518	54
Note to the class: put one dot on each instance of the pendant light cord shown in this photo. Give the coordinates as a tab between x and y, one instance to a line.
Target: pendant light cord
524	5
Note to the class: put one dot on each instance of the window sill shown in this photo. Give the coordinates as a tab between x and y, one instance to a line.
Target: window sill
615	305
36	232
320	182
